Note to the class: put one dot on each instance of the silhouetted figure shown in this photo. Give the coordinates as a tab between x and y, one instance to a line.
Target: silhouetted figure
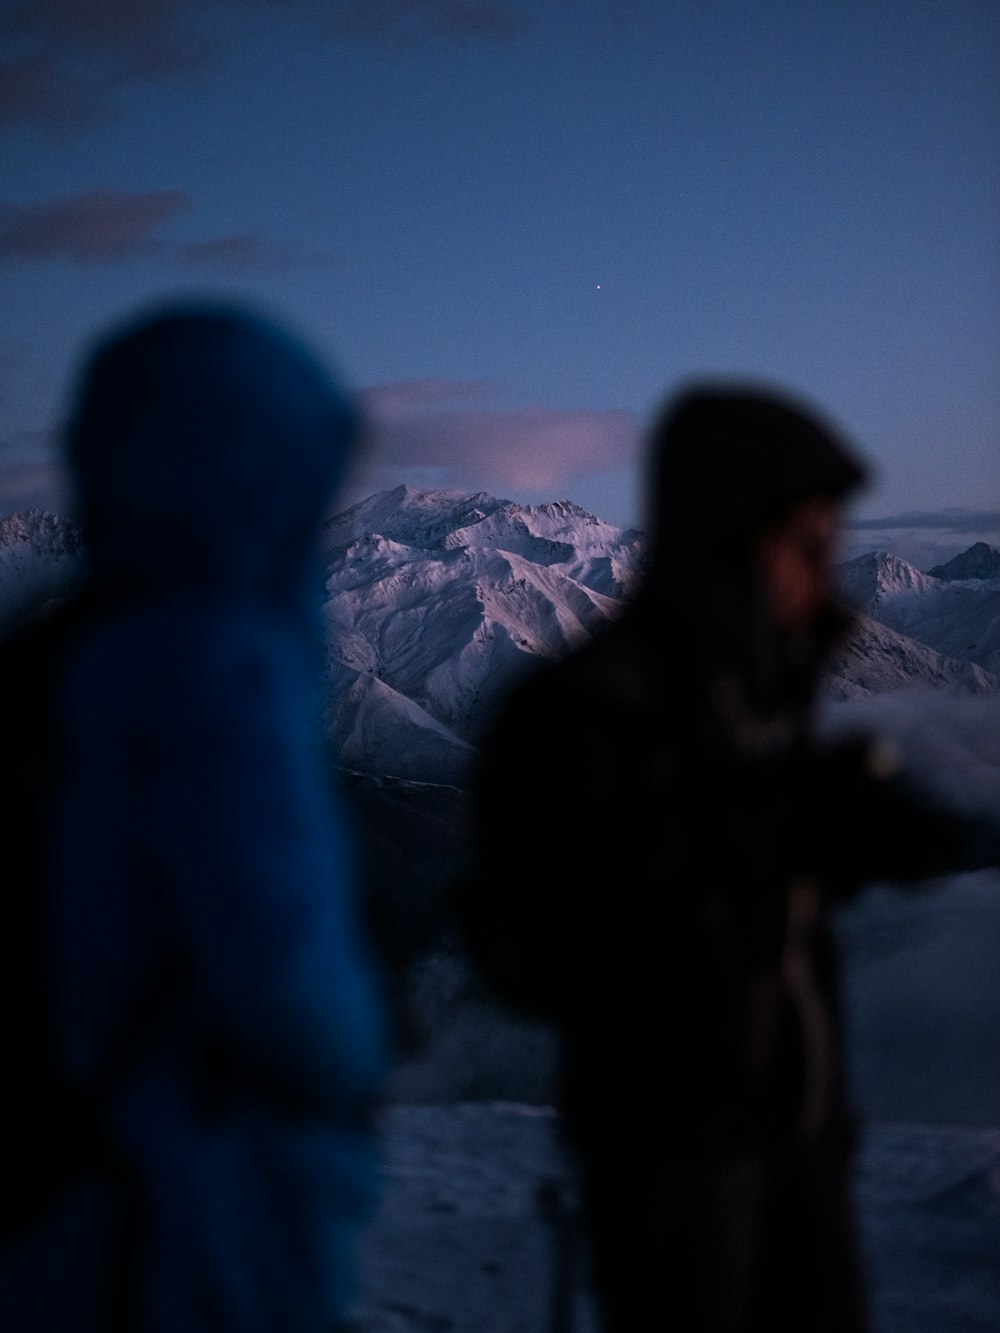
203	998
658	838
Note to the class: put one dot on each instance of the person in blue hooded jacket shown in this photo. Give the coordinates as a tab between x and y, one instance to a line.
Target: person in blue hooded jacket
202	936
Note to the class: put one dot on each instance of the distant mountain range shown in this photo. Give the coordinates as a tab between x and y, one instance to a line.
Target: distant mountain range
978	562
954	612
437	601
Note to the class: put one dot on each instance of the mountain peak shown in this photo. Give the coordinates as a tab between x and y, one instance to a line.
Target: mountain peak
871	578
980	561
44	532
410	515
445	520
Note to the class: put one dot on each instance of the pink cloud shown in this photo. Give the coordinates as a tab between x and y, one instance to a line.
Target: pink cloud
100	225
530	448
108	225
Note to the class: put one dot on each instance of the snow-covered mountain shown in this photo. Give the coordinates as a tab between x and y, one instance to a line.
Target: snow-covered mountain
436	602
959	617
879	579
980	561
560	534
877	659
41	557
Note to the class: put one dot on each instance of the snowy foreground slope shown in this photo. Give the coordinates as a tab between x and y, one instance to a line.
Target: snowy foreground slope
464	1240
461	1241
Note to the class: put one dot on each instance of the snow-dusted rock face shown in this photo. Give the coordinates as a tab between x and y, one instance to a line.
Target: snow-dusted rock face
41	558
978	562
559	535
959	617
45	533
877	659
437	602
881	579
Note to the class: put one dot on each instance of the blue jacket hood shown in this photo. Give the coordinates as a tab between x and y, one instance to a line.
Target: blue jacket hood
206	446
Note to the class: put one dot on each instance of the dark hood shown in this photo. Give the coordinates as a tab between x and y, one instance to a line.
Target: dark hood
726	464
206	446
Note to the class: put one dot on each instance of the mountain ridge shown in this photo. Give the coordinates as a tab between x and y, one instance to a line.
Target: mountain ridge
957	617
980	561
437	602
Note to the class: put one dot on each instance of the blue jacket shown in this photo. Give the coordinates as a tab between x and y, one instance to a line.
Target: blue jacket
202	878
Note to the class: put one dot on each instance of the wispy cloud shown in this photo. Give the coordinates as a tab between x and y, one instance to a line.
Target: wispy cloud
248	253
454	429
923	537
938	520
65	61
104	226
137	37
400	22
88	228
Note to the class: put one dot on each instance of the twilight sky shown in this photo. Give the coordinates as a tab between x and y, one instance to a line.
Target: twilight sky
514	226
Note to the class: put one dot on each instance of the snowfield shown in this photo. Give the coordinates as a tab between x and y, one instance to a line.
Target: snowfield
465	1241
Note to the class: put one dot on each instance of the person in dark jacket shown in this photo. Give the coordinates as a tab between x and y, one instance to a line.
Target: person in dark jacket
213	1001
658	839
